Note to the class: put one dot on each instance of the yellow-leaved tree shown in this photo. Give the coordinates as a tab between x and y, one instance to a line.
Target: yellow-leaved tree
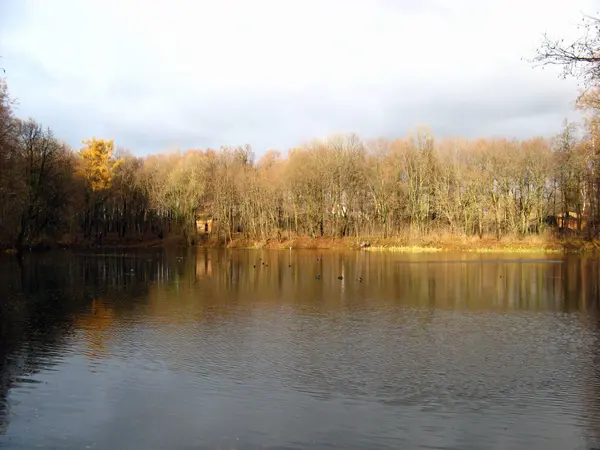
97	164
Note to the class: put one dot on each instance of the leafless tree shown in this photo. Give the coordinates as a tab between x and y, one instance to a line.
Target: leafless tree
580	58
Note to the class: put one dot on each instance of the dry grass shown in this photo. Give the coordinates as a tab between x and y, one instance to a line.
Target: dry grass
434	242
297	243
578	245
430	243
445	241
405	249
438	241
516	250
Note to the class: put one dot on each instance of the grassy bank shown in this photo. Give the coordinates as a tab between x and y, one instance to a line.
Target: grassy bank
449	243
424	244
428	244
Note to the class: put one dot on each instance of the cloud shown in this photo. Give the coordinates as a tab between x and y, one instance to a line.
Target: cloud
155	74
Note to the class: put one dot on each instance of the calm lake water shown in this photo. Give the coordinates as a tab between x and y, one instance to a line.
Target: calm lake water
200	349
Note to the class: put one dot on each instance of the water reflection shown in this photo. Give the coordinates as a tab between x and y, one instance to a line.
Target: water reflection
299	349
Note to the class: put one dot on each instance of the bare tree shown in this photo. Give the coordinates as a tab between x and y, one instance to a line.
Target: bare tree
44	168
580	59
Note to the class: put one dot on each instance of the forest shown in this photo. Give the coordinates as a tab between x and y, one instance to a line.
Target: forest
341	186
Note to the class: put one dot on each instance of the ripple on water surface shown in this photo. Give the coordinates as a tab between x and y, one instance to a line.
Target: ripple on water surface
228	358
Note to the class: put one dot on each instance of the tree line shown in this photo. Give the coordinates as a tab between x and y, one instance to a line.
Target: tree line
339	186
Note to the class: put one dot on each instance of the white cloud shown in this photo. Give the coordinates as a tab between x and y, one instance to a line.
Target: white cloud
273	73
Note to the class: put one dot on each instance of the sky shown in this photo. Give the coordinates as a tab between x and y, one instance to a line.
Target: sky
159	75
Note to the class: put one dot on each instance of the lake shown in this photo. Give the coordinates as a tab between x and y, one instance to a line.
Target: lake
221	349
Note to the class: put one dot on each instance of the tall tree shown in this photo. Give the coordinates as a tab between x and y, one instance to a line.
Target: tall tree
97	165
43	170
8	192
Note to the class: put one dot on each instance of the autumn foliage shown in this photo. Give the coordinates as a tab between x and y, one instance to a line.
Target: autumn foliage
342	186
96	163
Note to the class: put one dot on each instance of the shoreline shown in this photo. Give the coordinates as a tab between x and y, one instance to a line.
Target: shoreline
429	244
426	244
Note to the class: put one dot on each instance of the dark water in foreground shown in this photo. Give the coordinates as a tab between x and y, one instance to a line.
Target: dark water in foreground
203	350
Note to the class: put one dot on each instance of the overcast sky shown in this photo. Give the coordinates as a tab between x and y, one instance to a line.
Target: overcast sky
162	74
